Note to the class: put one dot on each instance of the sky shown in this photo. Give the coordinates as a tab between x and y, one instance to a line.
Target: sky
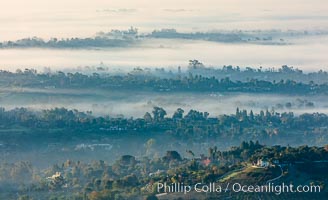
82	18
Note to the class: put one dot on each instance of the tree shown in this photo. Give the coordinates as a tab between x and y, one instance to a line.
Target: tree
191	153
178	114
195	64
158	113
172	155
147	117
251	115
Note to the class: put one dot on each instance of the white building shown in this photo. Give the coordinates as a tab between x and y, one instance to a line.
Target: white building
261	163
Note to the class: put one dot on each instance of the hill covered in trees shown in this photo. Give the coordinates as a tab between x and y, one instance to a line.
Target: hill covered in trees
190	82
195	126
130	177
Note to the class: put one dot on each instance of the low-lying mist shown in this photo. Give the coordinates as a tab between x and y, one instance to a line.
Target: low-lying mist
136	104
170	53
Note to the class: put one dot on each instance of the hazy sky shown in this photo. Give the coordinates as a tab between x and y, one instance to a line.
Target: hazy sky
69	18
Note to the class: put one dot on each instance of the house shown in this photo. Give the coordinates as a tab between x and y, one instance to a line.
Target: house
203	160
206	162
55	176
261	163
57	181
157	173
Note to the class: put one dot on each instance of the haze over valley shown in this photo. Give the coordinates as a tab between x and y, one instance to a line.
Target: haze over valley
103	100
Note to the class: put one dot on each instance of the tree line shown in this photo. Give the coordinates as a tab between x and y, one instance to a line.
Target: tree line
188	83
